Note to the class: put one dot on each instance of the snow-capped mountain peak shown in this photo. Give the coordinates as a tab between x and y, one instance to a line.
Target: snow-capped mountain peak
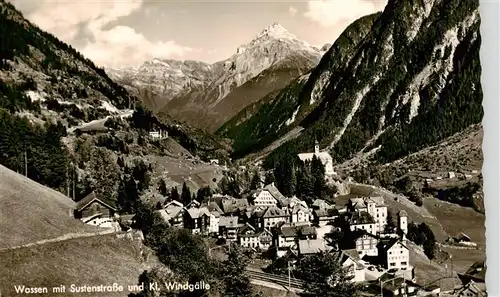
277	31
273	48
274	39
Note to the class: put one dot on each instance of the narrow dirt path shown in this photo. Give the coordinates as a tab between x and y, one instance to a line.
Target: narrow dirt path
65	237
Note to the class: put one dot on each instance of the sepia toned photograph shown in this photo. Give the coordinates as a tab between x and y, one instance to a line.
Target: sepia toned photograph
321	148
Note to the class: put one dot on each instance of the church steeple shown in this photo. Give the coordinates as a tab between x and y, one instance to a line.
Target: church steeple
316	147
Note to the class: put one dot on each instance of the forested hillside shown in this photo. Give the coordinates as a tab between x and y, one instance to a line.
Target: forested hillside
402	89
45	85
65	123
277	113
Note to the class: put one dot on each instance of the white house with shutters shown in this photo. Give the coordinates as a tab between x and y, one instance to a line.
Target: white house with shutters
158	134
375	206
267	196
394	253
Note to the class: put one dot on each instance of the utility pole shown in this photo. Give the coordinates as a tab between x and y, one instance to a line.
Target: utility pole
25	163
289	280
451	265
67	181
74	177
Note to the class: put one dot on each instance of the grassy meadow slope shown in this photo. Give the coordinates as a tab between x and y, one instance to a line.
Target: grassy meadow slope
82	261
460	154
30	212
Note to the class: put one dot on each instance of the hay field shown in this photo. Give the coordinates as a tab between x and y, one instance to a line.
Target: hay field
97	260
30	212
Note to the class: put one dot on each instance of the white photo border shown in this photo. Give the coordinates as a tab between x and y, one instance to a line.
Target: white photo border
490	64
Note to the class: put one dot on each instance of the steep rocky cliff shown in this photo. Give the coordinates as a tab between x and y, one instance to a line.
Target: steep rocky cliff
207	95
413	80
279	112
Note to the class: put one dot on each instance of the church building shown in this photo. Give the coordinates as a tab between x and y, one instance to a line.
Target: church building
324	157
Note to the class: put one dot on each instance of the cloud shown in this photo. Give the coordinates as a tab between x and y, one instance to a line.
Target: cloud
110	45
330	13
292	10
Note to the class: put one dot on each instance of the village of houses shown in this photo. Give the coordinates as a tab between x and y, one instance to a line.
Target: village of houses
266	220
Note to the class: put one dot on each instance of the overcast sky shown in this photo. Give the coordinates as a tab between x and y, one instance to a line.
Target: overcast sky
116	33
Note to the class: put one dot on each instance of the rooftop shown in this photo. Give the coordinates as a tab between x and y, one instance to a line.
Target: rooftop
320	203
344	255
361	217
397	283
402	213
477	271
170	212
228	222
212	207
330	213
91	198
274	192
195	213
323	156
292	231
362	202
274	212
386	244
312	246
230	205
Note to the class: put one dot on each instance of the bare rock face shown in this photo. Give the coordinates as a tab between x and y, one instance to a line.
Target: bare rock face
326	47
187	89
163	78
392	84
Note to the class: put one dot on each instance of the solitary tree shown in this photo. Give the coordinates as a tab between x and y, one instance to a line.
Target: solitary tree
324	276
318	174
269	178
305	184
128	195
237	283
203	193
162	187
285	176
389	225
141	175
255	182
335	237
174	194
186	194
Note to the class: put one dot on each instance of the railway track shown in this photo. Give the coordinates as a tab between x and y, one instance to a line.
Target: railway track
275	278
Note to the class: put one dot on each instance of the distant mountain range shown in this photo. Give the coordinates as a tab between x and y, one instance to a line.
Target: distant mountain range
207	95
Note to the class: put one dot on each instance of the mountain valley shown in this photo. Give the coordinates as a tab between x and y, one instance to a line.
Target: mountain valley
393	107
207	95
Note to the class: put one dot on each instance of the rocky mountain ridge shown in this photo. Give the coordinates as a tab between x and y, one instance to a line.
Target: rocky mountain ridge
281	111
192	91
404	86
